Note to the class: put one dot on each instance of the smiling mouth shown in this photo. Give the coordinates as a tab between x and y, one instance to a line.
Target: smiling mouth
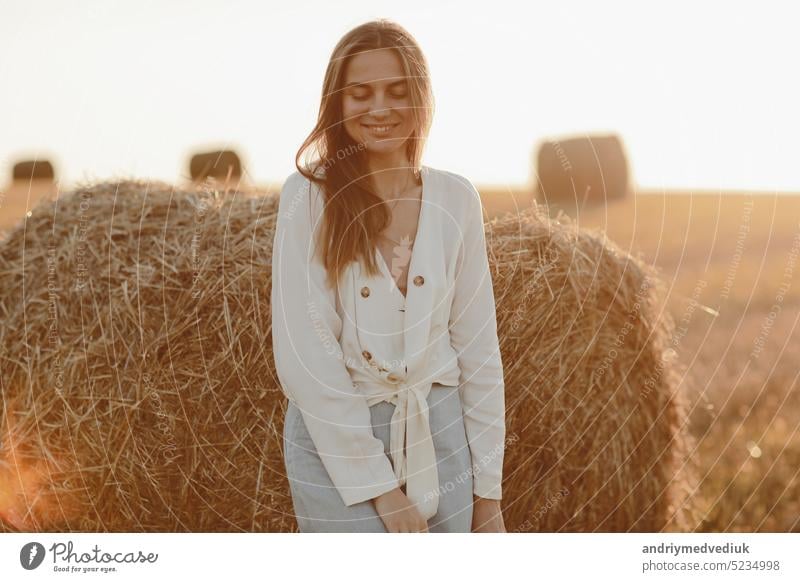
380	129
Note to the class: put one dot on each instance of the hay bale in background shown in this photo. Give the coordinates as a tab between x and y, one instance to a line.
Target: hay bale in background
222	165
31	182
33	170
583	170
140	395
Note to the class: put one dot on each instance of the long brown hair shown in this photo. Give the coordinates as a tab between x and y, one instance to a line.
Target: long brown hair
354	215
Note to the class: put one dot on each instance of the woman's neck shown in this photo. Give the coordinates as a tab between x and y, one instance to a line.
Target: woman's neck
390	174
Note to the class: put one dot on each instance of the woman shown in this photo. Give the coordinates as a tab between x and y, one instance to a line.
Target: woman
396	415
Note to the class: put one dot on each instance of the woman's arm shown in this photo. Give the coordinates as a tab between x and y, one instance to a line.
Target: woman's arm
308	357
473	334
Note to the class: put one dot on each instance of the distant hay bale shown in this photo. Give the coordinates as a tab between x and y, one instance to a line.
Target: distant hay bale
140	394
582	171
32	170
221	165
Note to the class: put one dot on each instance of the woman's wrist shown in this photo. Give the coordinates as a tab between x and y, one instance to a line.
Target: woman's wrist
487	515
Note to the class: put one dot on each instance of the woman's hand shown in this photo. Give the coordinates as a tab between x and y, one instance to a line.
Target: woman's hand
487	516
398	513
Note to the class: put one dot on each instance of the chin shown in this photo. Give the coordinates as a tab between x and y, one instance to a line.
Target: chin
385	146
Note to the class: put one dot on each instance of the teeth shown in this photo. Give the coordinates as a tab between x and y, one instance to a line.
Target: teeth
380	129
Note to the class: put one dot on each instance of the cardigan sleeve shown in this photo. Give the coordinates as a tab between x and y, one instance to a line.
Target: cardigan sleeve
309	361
473	334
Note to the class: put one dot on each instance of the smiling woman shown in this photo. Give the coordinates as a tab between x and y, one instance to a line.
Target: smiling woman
389	356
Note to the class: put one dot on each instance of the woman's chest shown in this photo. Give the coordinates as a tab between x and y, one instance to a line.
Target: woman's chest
424	271
397	241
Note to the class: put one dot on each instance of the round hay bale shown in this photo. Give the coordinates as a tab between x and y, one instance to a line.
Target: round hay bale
221	165
139	392
32	170
597	425
136	358
582	171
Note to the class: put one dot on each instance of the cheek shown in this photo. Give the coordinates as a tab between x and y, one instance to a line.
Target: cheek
351	109
351	116
407	115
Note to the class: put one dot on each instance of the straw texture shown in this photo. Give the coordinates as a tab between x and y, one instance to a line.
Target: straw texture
139	391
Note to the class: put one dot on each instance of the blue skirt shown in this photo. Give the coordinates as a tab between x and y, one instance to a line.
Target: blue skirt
317	504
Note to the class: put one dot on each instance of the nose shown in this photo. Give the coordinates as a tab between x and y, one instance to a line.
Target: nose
377	109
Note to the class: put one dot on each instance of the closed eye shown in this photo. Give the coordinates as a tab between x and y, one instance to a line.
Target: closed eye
365	97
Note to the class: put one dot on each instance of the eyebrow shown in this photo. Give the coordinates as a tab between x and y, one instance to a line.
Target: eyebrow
367	84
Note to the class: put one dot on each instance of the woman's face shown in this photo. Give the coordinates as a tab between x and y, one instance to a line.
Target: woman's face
376	102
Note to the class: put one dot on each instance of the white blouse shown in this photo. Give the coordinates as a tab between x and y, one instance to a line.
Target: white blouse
339	351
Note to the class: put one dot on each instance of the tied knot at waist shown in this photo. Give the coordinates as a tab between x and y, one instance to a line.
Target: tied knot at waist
415	463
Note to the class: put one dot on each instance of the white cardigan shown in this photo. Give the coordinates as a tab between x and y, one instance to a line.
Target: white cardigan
336	352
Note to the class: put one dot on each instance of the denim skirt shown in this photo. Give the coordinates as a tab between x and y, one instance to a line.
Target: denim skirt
318	507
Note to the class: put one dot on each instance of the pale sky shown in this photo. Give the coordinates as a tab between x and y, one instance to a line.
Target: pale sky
704	94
